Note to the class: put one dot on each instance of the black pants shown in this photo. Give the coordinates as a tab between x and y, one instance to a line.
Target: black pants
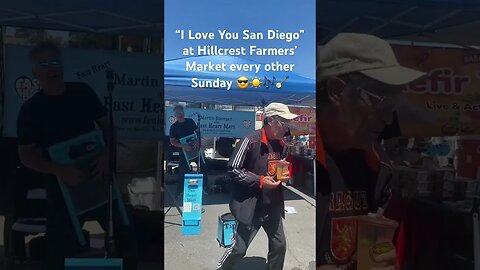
183	169
273	226
62	241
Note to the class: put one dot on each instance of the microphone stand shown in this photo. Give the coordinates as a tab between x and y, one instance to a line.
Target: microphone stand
109	241
199	143
200	156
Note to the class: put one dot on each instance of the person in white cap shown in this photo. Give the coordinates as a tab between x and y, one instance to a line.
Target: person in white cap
257	198
358	81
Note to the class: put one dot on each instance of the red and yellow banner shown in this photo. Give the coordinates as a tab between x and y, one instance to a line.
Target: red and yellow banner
447	101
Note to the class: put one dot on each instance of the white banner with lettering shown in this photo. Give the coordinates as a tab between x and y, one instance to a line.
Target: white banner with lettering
216	123
137	102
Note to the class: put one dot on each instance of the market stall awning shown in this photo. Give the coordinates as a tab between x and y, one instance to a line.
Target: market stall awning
126	17
241	98
441	21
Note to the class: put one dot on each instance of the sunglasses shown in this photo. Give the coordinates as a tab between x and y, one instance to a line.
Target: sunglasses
242	81
282	123
51	63
379	103
374	101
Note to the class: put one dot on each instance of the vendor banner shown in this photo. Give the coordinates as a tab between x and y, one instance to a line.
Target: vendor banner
447	101
138	80
304	124
216	123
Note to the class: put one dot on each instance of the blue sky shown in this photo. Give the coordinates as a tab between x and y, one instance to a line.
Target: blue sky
235	16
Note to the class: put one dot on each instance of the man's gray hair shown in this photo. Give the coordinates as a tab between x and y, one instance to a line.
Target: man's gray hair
178	107
41	47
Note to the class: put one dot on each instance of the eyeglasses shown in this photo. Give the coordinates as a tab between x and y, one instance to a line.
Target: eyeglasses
51	63
380	102
283	124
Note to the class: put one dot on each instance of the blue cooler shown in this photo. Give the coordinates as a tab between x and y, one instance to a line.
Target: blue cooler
226	230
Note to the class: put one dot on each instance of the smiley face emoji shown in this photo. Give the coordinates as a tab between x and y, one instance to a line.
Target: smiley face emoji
242	82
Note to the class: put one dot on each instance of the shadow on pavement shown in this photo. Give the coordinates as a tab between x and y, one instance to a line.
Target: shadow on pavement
249	263
311	266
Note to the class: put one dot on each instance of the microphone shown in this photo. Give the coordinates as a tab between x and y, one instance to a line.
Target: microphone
199	116
110	76
109	239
